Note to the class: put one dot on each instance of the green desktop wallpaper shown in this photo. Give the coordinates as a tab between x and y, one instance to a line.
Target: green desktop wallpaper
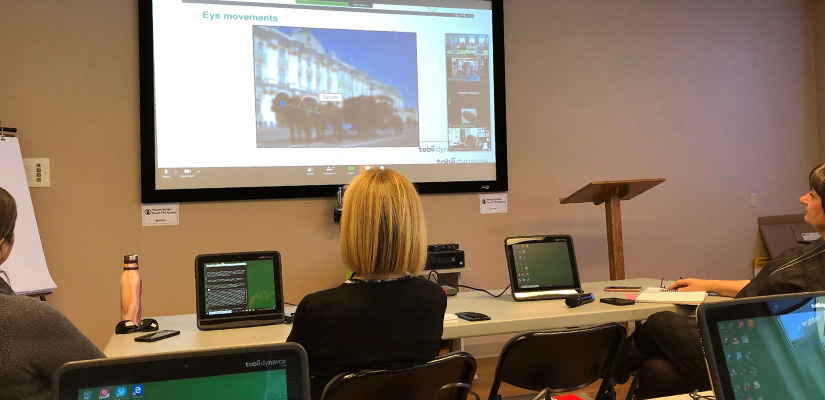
261	385
260	279
546	264
774	357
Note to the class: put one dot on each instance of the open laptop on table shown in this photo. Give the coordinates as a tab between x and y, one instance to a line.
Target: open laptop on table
268	372
542	267
769	347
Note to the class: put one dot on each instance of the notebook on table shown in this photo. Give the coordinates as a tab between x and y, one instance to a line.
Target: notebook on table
278	371
769	347
542	267
671	296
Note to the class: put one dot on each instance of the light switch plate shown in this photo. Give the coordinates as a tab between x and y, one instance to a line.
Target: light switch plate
37	172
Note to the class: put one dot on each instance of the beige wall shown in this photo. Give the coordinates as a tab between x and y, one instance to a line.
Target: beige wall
819	51
716	96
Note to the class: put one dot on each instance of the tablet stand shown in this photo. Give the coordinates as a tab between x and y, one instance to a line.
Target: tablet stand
611	193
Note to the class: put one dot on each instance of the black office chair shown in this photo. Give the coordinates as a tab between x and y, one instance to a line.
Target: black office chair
421	382
560	361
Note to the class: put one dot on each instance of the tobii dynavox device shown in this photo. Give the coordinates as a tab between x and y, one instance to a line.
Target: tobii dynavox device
272	371
239	289
542	267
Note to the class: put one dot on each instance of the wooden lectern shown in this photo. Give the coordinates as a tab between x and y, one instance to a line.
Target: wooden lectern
610	193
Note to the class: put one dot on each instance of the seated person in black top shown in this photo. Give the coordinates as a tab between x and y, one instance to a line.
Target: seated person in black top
383	318
676	336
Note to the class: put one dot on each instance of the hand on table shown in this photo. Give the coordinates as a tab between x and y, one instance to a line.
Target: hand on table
692	285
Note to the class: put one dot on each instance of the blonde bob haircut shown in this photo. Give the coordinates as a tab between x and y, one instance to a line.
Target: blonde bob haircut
382	226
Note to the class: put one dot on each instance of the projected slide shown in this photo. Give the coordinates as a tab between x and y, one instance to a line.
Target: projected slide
306	94
324	88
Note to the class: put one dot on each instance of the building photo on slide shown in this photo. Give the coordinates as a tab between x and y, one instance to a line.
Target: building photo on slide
324	88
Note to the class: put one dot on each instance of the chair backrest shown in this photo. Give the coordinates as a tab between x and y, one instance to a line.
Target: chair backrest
420	382
561	361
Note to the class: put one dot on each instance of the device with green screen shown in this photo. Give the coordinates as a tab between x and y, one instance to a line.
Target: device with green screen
239	289
542	267
268	372
770	347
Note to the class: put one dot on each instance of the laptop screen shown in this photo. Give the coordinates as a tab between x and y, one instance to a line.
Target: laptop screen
542	264
253	385
239	286
769	349
258	372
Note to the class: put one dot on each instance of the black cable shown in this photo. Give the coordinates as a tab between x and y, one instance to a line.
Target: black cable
455	285
696	395
290	304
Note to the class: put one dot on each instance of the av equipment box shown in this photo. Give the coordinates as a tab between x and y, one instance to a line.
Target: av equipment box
444	259
441	247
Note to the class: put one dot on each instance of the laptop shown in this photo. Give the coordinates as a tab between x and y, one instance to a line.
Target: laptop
239	289
278	371
542	267
769	347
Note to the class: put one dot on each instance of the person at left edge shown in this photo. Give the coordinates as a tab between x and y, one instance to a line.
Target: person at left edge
35	339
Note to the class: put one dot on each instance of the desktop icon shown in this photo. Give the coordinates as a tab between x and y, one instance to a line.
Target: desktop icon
121	391
87	395
104	393
137	390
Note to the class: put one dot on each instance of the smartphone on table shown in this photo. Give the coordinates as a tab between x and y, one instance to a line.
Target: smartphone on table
623	289
472	316
155	336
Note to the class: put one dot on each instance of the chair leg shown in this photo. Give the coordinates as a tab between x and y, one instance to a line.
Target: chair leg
543	395
607	390
634	384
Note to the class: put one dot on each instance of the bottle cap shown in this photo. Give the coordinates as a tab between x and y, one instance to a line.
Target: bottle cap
130	259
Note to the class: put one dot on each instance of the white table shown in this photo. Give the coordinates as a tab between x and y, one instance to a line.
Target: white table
507	316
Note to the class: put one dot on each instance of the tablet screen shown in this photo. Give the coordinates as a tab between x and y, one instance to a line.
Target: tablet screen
239	286
239	289
542	265
771	350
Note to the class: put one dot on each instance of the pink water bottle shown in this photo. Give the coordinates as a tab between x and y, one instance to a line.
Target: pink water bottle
130	288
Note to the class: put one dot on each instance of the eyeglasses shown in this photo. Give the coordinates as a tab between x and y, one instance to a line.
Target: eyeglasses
127	326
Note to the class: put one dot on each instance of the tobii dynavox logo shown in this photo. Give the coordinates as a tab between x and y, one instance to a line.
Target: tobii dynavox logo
266	363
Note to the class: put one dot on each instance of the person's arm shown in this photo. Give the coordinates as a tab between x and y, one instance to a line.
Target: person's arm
720	287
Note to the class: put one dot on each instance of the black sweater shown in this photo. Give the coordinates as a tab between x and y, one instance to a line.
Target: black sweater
359	325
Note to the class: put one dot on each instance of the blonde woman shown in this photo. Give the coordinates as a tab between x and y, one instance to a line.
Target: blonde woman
385	317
